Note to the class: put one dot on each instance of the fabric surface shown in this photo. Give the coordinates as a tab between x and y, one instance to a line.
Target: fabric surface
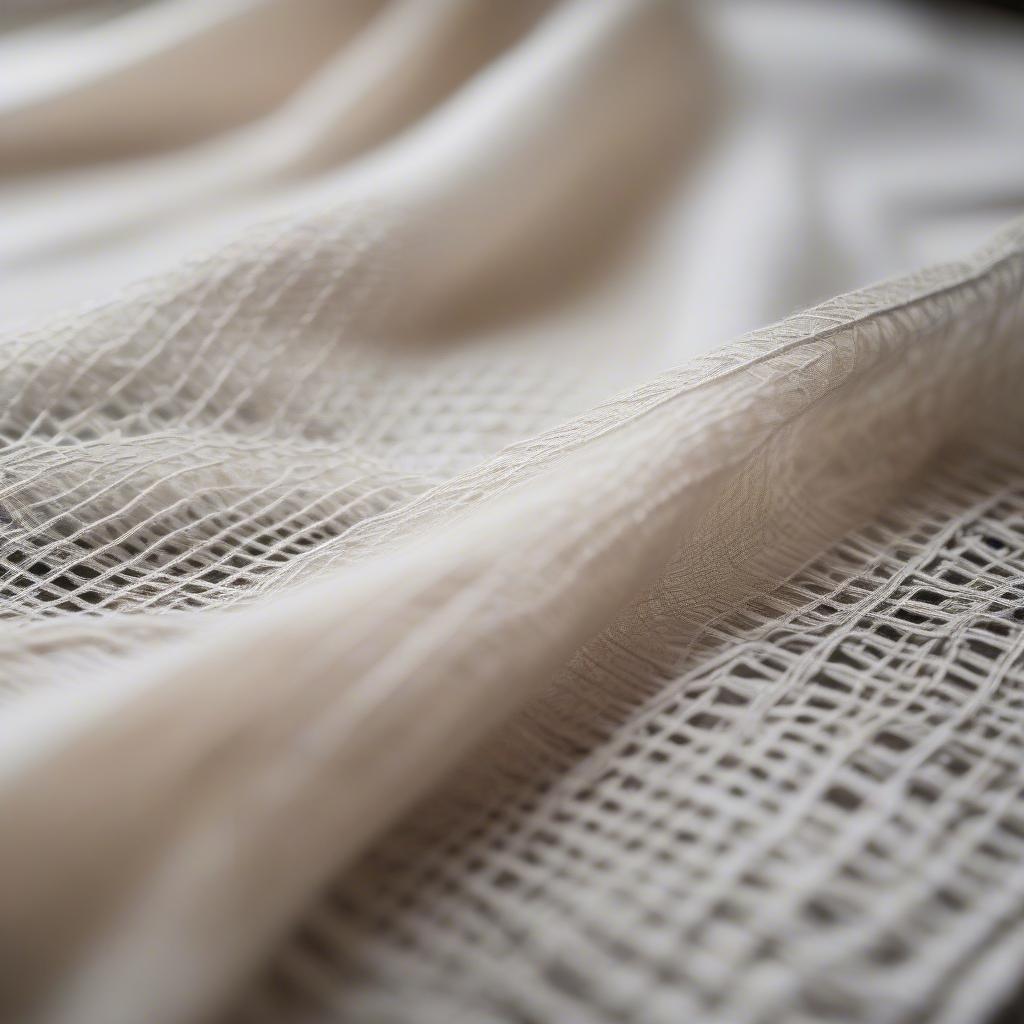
413	608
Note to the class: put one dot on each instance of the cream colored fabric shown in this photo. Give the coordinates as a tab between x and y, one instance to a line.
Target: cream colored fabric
390	550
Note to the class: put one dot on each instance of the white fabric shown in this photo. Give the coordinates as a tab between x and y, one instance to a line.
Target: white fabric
361	477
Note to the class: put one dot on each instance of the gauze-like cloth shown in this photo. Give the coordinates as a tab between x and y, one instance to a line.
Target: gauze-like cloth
414	602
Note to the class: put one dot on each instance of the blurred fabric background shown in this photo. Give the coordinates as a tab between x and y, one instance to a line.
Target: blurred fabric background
815	147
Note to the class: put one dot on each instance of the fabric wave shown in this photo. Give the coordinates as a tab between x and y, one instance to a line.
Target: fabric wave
361	574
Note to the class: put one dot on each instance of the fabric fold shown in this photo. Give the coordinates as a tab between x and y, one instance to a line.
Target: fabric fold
375	606
320	709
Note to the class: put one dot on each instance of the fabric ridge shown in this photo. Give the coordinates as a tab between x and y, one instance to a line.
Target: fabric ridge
388	632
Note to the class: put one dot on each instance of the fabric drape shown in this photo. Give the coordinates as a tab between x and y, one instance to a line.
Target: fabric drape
413	605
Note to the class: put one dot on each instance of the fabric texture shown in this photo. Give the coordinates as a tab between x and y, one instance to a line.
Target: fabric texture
411	610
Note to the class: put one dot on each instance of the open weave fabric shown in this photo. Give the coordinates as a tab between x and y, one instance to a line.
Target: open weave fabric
818	819
380	642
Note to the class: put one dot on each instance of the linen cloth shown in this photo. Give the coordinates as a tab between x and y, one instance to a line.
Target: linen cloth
412	608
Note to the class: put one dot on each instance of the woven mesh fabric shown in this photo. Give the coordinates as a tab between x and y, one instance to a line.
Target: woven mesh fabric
738	800
819	818
443	675
804	808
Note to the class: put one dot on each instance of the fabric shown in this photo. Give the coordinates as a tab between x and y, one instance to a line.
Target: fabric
412	608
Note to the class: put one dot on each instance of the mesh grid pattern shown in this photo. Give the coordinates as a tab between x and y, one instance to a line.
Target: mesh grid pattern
816	818
816	813
338	595
157	460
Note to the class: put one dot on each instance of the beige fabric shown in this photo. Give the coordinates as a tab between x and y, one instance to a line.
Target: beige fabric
379	490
